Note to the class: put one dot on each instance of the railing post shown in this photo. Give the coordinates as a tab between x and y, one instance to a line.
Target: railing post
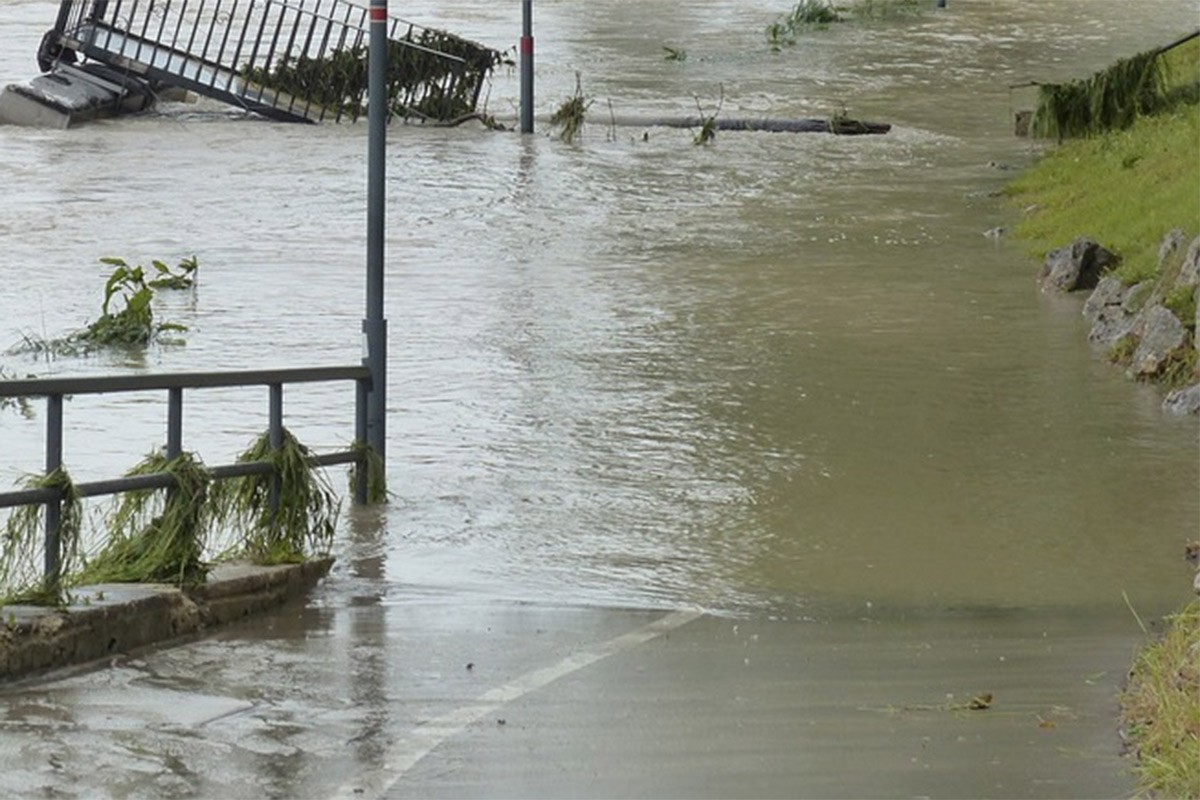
375	325
360	438
526	66
174	423
275	440
54	450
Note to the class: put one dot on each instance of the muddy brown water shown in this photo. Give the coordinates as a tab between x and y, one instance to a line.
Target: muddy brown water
779	377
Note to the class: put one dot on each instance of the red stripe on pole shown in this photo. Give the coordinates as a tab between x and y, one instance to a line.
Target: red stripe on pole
526	45
378	14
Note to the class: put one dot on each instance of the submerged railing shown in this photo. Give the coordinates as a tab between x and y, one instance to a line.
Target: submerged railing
296	60
56	389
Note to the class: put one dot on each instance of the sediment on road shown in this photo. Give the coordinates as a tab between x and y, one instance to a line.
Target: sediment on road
106	619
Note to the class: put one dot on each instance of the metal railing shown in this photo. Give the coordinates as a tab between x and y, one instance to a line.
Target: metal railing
295	60
56	389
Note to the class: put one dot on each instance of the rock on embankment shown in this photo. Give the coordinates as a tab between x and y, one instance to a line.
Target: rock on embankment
1149	326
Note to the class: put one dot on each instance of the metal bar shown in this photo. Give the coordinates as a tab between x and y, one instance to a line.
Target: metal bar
375	325
237	53
275	439
271	55
216	20
164	480
287	52
64	12
145	25
341	44
179	24
304	52
196	29
174	423
162	22
360	438
526	66
44	387
54	449
262	25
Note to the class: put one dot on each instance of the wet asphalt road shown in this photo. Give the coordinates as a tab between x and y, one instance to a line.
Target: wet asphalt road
354	694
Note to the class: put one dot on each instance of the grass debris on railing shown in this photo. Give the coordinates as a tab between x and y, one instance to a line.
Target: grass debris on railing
1109	100
301	520
426	77
157	535
21	573
570	116
21	404
376	473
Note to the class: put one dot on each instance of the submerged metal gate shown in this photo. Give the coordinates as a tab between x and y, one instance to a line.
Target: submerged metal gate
292	60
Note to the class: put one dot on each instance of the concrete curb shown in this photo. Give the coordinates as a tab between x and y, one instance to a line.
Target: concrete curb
117	617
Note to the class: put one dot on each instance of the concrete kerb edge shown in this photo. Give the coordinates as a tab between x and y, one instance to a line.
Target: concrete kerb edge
113	618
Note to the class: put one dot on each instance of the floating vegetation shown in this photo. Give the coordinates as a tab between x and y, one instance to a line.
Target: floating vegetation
132	325
708	122
157	535
21	575
168	278
1109	100
675	54
570	115
376	474
886	9
286	516
431	75
818	14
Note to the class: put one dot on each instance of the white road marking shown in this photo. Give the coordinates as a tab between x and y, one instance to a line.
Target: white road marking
408	752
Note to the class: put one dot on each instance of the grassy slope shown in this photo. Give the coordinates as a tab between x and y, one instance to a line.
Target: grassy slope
1161	709
1125	189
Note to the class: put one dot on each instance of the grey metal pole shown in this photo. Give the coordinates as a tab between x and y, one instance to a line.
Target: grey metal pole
52	568
275	440
174	423
526	66
374	325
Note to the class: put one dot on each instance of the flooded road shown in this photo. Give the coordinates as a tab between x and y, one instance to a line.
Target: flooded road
781	376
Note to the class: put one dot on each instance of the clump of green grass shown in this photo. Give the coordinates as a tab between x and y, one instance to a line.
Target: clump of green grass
820	14
1160	709
1126	187
569	117
675	53
287	516
21	574
126	314
157	535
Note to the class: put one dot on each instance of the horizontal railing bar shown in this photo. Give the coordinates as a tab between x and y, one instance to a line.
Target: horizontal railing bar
28	497
164	480
43	387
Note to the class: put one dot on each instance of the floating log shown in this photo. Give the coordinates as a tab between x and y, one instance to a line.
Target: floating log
836	125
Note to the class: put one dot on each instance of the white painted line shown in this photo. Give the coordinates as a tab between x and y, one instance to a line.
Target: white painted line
408	752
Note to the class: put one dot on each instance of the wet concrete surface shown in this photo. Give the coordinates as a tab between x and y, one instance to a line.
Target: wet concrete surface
353	695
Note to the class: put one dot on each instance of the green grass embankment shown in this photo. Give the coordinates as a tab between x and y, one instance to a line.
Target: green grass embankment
1126	189
1160	709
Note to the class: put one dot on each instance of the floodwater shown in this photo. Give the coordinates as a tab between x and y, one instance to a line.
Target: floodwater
781	376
